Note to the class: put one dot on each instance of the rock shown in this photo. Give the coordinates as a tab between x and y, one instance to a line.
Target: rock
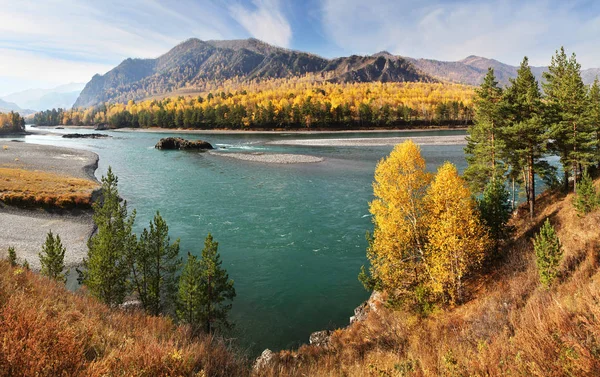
101	127
263	361
179	143
85	136
371	305
320	338
132	306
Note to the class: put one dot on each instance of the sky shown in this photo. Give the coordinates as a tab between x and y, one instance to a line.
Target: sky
52	42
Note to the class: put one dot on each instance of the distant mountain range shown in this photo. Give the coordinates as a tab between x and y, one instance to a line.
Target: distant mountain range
63	96
193	63
6	107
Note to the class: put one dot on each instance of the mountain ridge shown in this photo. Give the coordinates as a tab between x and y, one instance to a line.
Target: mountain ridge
194	63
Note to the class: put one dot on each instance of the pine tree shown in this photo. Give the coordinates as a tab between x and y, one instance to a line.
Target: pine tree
52	258
594	116
12	256
190	295
524	134
105	268
216	287
154	264
548	253
483	144
586	199
456	239
567	113
495	212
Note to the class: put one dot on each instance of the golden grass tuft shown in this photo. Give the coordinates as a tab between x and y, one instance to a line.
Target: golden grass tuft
46	330
32	188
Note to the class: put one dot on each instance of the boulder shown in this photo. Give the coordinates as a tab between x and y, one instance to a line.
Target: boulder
85	136
320	338
179	143
263	361
371	305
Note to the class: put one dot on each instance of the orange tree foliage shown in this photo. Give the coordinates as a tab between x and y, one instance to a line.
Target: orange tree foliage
285	103
427	234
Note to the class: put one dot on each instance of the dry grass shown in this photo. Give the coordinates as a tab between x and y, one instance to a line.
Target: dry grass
47	331
511	325
29	188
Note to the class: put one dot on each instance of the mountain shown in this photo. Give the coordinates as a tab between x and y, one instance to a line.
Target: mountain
193	63
472	69
42	99
6	107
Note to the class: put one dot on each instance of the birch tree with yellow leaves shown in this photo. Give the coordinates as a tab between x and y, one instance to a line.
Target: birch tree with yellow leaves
397	247
456	238
427	232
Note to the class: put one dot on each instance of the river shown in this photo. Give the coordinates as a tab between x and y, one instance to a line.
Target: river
291	236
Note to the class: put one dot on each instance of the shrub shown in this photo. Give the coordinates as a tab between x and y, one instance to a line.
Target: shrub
586	199
548	253
12	256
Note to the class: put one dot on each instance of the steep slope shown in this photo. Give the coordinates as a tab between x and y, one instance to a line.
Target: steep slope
48	331
8	106
511	325
193	63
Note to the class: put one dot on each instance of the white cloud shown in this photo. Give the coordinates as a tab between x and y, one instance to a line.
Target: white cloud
502	29
266	22
59	41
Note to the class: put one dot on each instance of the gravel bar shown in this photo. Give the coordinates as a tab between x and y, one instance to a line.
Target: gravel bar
272	158
26	229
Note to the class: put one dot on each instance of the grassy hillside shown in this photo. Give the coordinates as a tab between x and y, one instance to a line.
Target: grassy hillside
49	331
511	324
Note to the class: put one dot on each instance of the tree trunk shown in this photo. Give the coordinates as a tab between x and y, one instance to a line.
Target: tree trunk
531	187
513	193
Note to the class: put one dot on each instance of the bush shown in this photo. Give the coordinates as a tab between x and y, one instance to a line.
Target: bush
586	199
12	256
548	253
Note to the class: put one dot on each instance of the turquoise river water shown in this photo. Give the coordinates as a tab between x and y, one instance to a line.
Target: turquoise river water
291	236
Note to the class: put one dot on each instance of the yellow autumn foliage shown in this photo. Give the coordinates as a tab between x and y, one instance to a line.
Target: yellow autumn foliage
397	249
456	238
427	231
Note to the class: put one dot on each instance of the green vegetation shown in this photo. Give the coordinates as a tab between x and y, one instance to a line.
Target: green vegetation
106	270
548	253
12	256
154	264
586	200
495	211
52	258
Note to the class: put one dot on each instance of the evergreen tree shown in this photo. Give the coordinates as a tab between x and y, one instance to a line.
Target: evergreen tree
105	268
594	115
204	289
567	114
26	265
524	134
586	199
190	295
12	256
154	264
52	258
483	144
495	212
548	253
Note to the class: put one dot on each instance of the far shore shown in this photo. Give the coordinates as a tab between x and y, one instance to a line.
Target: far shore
279	132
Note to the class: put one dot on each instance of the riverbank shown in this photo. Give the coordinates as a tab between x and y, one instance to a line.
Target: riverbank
279	132
26	229
374	142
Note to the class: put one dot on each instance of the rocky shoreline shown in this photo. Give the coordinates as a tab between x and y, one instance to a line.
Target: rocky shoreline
26	229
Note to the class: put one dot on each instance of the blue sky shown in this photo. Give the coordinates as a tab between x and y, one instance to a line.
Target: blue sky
52	42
